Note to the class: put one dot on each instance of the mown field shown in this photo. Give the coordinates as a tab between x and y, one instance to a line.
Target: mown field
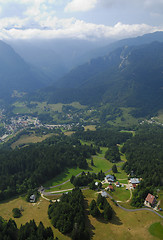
100	163
123	226
26	139
156	229
125	120
42	107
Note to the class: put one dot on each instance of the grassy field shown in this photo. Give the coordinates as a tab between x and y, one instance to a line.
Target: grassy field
125	120
90	127
25	139
37	211
156	229
68	133
41	107
121	174
20	108
120	194
100	163
66	175
123	226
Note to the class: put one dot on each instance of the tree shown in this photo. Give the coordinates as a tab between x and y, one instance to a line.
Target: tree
108	212
92	185
114	168
94	211
16	212
92	163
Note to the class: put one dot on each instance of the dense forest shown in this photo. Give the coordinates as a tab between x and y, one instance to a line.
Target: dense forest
144	154
29	167
68	215
9	231
112	154
104	137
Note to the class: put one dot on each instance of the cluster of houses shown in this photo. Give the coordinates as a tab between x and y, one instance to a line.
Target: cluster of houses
111	179
133	182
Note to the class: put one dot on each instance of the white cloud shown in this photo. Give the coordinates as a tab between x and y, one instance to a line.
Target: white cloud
38	20
80	5
68	28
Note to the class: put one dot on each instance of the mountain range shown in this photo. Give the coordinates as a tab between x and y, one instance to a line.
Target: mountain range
16	74
126	73
130	76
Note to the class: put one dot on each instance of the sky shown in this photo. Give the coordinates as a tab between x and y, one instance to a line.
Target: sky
82	19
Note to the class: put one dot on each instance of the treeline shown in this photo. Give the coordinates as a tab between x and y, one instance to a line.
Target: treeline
9	231
144	154
68	215
104	137
29	167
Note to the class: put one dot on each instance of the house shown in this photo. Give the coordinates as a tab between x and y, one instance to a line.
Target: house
117	184
109	178
134	185
150	200
32	198
110	187
134	181
104	194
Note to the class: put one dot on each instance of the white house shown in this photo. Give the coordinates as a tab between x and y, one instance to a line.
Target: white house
134	181
109	178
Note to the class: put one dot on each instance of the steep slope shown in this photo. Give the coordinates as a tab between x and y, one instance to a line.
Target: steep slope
129	76
136	41
16	74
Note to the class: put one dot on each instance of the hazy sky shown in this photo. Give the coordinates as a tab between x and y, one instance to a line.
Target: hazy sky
85	19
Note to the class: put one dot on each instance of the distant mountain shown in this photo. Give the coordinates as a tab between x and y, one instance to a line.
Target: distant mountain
54	57
136	41
16	74
129	76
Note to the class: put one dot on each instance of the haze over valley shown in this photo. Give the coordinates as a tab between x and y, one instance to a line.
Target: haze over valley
81	119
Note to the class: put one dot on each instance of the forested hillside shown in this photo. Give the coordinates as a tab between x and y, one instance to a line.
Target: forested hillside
129	77
144	153
29	167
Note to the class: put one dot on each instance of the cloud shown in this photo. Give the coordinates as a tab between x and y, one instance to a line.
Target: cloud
68	28
80	5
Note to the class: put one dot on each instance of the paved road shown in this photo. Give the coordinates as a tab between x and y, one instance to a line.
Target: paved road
134	210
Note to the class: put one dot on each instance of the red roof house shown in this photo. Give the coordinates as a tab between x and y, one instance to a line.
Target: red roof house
134	185
150	199
110	187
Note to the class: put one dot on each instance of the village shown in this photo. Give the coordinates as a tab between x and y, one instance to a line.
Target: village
19	123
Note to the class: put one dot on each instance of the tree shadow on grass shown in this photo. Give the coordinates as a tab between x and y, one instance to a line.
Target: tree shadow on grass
115	220
89	226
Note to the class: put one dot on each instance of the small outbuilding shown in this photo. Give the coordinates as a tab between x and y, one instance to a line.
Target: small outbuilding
32	198
104	194
117	184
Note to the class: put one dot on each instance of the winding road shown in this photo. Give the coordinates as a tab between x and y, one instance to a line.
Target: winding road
43	193
134	210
